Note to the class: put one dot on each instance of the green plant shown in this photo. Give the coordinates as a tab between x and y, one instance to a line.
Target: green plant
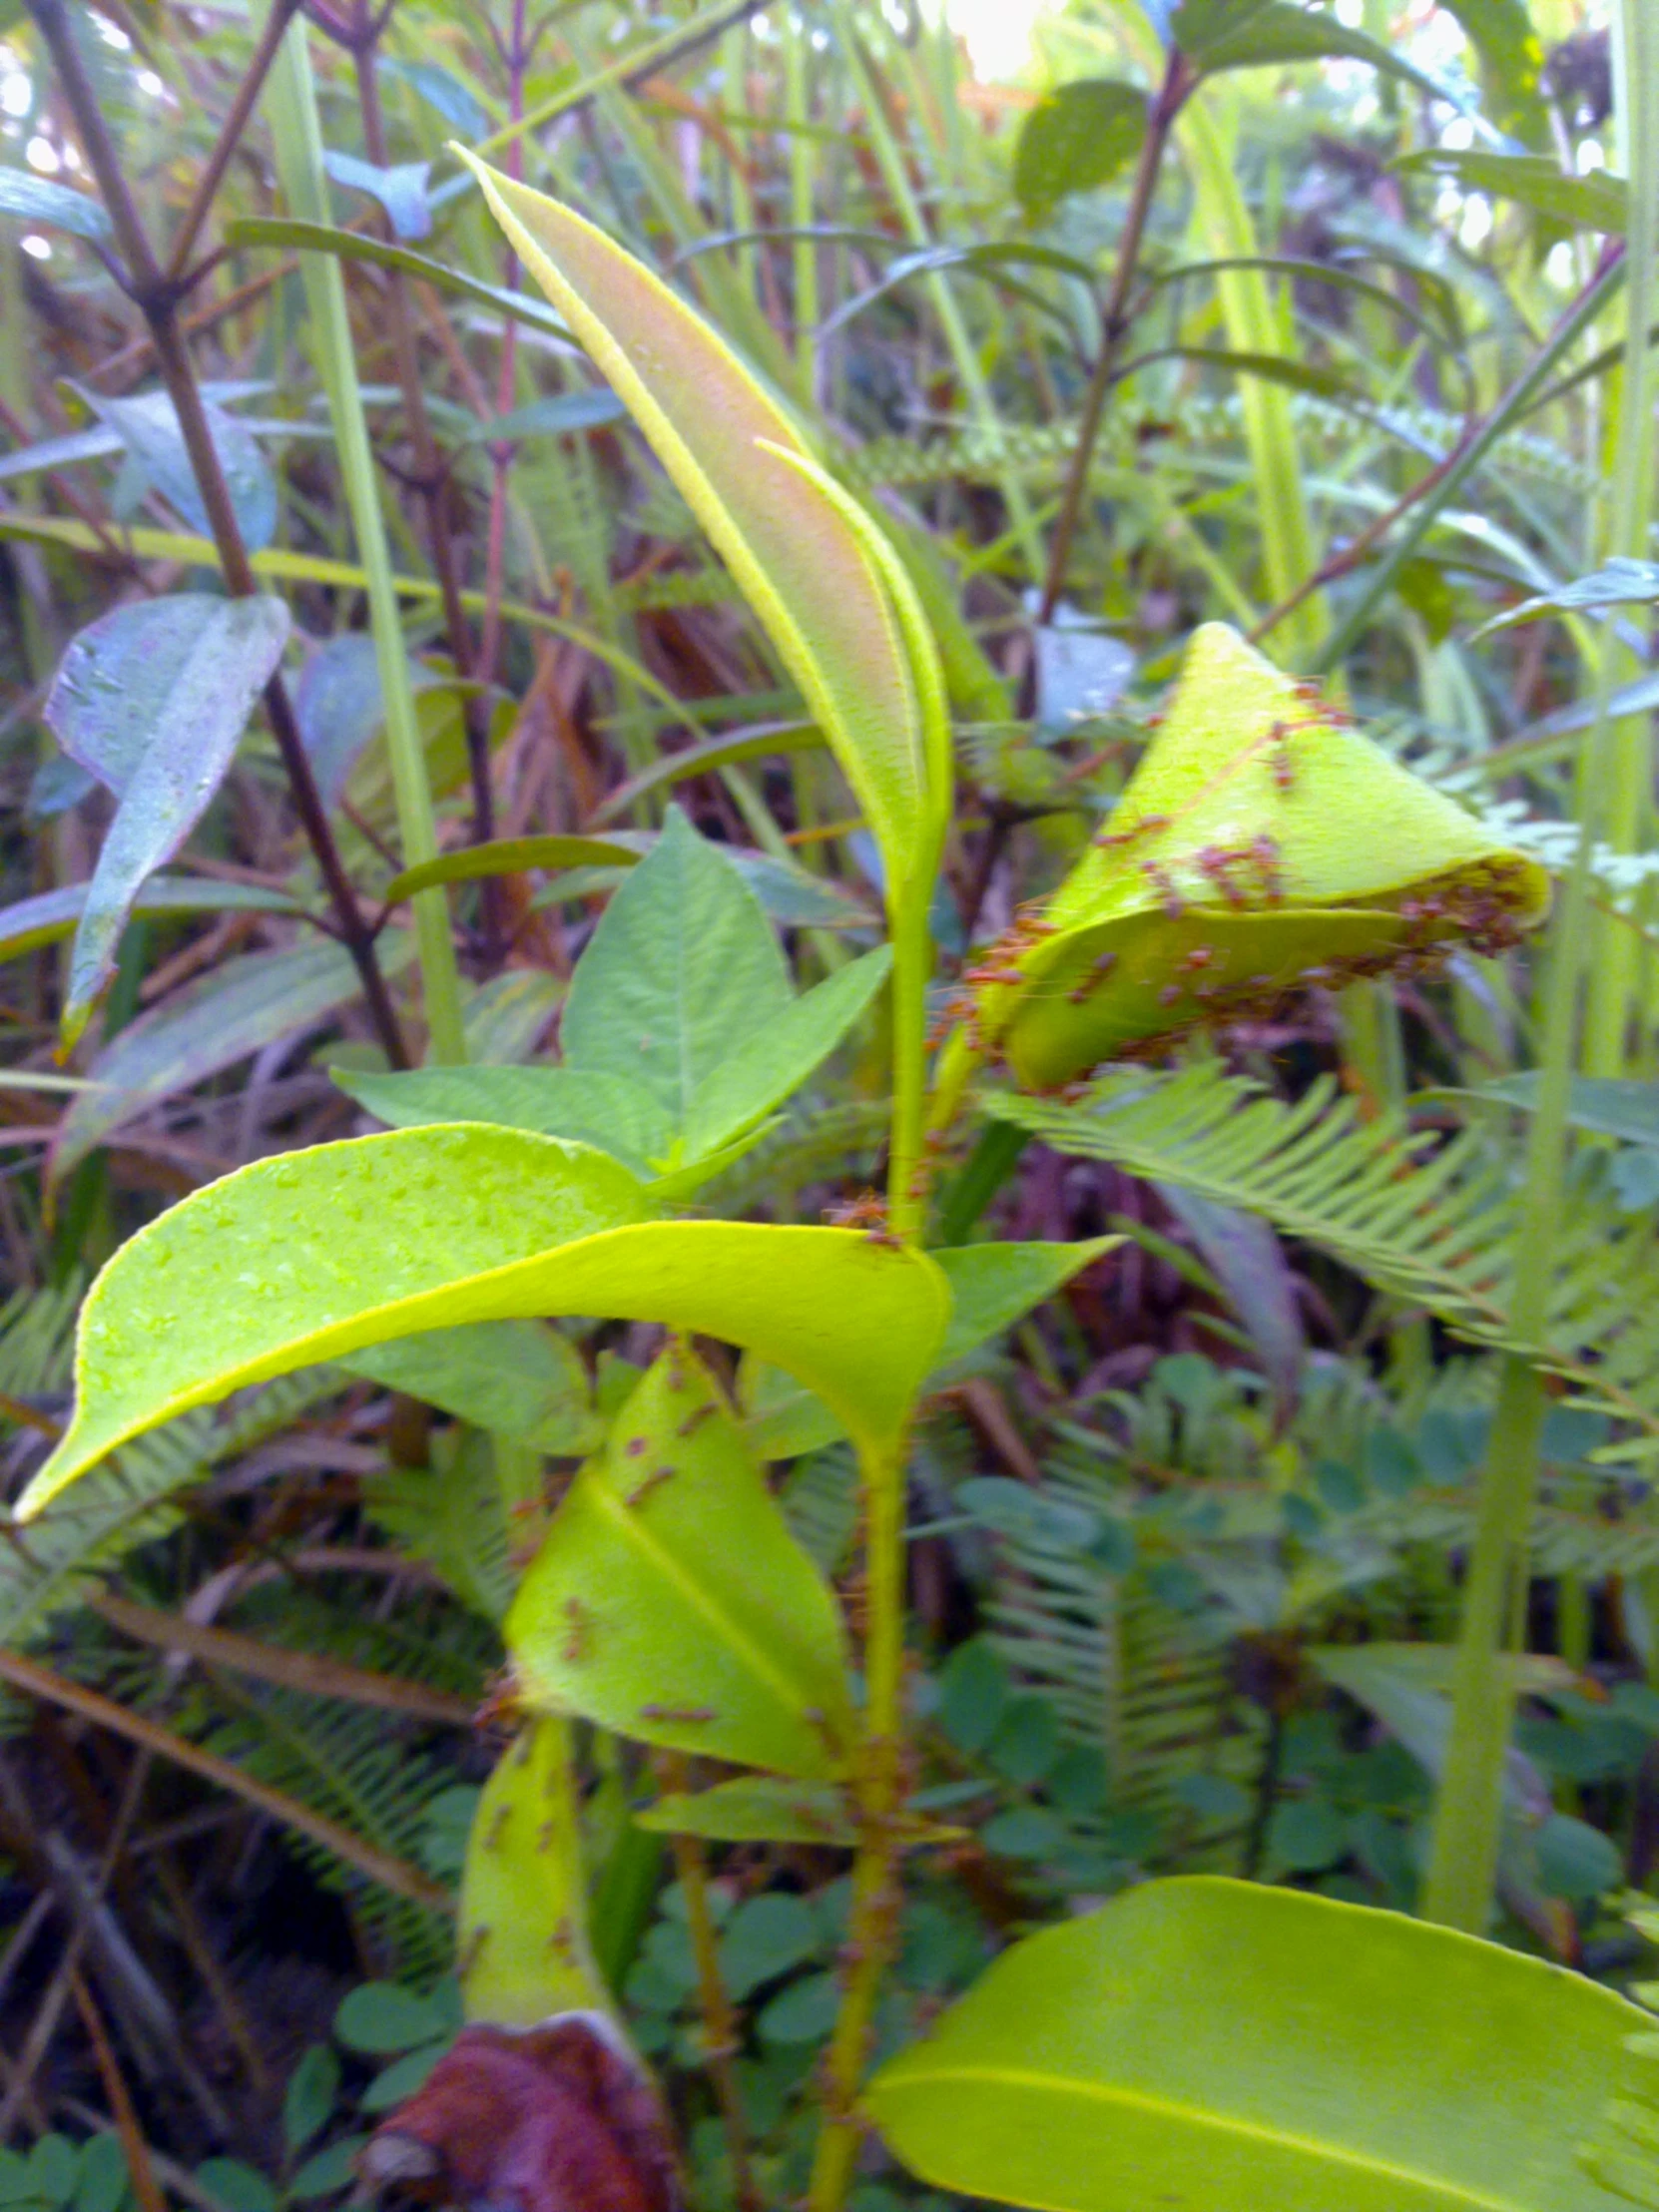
668	1598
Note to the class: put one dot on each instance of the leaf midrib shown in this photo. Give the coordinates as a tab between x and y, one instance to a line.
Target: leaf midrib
1030	2080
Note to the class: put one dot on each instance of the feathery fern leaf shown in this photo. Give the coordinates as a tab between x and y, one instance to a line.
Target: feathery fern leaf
1436	1229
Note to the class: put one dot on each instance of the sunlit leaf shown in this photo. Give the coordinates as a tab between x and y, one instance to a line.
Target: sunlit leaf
587	1106
522	1942
1261	840
1232	2047
670	1602
312	1255
153	699
725	441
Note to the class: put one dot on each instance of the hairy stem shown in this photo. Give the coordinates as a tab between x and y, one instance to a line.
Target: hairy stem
156	299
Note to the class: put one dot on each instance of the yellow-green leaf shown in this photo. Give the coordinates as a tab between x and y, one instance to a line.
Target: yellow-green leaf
522	1946
1228	2047
734	452
670	1602
1263	842
312	1254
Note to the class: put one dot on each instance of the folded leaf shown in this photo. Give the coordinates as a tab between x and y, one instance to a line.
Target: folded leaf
311	1255
1263	842
153	699
1233	2047
522	1944
670	1602
723	438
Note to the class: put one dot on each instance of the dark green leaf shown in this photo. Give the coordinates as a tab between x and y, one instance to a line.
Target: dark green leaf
1077	138
764	1938
327	2171
309	2098
379	2018
556	415
235	2185
352	246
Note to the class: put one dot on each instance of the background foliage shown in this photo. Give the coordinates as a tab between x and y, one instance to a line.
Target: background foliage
1339	363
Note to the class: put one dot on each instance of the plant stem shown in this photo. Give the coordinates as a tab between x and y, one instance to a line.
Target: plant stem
298	142
230	137
720	2029
874	1926
1115	322
156	299
912	947
1469	1814
1613	982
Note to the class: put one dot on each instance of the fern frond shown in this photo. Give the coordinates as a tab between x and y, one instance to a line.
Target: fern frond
1437	1229
48	1567
352	1765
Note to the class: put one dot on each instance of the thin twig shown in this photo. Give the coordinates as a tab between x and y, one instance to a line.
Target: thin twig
230	137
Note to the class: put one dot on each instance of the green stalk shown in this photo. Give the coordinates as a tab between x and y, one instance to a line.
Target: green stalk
873	1923
799	109
292	101
1614	979
1469	1814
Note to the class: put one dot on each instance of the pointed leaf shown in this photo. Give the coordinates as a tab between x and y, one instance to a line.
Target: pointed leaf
1076	139
217	1019
1227	2045
312	1255
774	1061
803	567
52	915
755	1808
153	698
401	190
149	428
682	972
522	1943
33	199
670	1602
1596	201
1620	583
991	1286
510	856
608	1112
